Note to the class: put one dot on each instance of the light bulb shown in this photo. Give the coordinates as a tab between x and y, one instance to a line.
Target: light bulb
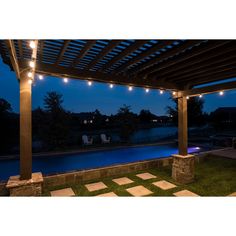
65	80
90	83
130	88
187	97
221	93
161	91
32	44
40	77
174	93
32	64
146	90
30	74
200	96
111	85
30	81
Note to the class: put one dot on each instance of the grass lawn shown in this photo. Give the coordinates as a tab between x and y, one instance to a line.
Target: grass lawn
214	176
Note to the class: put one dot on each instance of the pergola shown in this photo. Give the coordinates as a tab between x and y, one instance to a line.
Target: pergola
176	65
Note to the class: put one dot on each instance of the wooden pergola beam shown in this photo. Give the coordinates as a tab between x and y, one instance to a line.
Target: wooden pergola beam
204	72
210	89
136	45
200	66
60	71
62	52
186	59
83	52
205	59
41	46
102	54
19	42
164	55
148	52
13	57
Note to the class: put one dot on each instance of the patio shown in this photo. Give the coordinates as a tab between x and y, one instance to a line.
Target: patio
177	66
214	176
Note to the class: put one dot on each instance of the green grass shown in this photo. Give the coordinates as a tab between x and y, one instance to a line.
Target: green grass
214	176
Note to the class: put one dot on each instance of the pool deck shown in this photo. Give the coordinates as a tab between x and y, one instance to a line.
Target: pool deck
228	153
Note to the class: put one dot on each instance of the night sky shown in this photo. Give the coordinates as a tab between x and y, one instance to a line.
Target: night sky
79	97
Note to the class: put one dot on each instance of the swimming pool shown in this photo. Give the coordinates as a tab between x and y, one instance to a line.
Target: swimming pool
90	159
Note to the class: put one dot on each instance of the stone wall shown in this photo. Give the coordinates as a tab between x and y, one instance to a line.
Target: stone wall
78	177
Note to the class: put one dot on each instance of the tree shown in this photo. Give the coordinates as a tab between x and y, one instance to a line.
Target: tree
53	102
195	111
55	126
127	121
146	116
9	127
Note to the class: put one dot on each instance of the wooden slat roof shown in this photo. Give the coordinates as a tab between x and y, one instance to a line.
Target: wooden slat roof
166	64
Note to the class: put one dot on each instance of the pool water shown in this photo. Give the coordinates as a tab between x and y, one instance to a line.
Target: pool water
90	159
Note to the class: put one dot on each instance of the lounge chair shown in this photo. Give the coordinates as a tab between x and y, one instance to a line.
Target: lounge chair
86	140
105	139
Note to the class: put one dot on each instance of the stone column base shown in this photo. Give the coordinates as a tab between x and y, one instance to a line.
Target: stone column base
183	168
30	187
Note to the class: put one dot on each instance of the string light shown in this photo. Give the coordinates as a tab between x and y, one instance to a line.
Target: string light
146	90
161	91
32	64
30	74
187	97
174	93
65	80
200	96
221	93
111	85
40	77
130	88
32	44
30	81
90	83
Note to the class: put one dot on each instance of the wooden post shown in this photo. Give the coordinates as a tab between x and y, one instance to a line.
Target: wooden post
25	129
182	126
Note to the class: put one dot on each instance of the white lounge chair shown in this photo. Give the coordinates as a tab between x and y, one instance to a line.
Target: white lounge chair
105	139
86	140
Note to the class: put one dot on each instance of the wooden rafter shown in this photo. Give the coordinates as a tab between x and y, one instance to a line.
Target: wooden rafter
141	56
205	59
83	52
62	52
186	58
106	50
164	55
19	42
136	45
13	57
41	46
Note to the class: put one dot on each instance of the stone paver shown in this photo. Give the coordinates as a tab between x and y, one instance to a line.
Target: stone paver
185	193
95	186
123	181
66	192
110	194
232	194
146	176
139	191
164	185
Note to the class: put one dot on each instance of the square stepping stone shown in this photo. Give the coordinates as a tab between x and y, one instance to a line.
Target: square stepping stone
110	194
66	192
185	193
95	186
146	176
123	181
232	194
164	185
139	191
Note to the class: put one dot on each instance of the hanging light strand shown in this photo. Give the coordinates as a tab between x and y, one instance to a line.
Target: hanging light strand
32	63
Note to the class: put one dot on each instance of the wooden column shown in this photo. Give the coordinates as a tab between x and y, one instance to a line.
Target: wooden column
25	129
182	126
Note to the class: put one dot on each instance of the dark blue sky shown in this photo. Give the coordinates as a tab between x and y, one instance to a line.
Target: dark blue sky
78	96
